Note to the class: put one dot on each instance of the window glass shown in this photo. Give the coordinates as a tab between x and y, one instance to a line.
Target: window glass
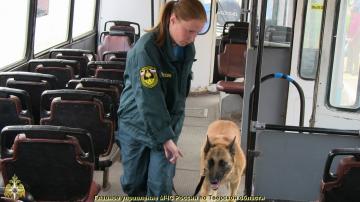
84	16
311	39
13	36
52	22
344	90
207	5
228	10
279	17
278	25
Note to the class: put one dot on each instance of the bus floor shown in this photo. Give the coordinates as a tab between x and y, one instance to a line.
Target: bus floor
201	110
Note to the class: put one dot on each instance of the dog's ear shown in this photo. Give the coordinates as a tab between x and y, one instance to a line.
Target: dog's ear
208	145
231	147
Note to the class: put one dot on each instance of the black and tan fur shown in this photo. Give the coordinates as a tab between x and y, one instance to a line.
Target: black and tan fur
222	159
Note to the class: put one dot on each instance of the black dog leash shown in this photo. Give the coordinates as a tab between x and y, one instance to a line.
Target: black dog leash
199	185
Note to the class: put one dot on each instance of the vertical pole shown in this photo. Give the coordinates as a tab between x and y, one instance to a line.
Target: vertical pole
254	111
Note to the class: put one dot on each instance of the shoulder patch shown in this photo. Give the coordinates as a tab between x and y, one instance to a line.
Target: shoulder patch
148	76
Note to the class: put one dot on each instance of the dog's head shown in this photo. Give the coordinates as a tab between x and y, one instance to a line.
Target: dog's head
219	161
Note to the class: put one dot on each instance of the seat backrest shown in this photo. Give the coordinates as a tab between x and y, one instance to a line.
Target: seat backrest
232	61
82	56
33	83
115	56
132	26
114	41
71	94
113	88
238	34
64	70
345	184
234	32
112	74
14	107
50	164
105	65
85	112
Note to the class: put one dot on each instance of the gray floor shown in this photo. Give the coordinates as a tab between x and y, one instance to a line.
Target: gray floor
200	111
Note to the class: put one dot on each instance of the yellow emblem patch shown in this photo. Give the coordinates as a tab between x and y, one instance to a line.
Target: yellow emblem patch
14	189
148	76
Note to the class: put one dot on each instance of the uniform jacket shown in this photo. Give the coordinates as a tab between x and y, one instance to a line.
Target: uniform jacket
152	104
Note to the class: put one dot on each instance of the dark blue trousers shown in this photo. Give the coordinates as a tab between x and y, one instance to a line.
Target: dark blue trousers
147	172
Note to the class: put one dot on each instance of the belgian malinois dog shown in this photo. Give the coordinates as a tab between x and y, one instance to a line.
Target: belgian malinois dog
222	159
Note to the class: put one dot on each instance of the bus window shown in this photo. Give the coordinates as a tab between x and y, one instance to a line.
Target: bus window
228	10
207	5
344	90
14	26
84	17
279	22
311	39
51	29
279	17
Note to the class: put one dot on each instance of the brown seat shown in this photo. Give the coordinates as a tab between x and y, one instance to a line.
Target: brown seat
344	186
82	56
232	64
50	162
64	70
14	107
129	26
234	32
117	39
113	70
33	83
82	109
113	88
115	56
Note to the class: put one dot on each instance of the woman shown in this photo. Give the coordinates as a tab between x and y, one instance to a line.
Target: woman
151	112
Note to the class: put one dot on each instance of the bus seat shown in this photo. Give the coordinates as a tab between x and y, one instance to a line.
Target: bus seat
113	88
72	83
49	95
14	107
115	56
131	27
64	70
82	109
117	39
232	64
103	69
234	32
112	74
238	34
82	56
50	161
33	83
345	184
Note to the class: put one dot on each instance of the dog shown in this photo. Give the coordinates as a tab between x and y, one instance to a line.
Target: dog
222	159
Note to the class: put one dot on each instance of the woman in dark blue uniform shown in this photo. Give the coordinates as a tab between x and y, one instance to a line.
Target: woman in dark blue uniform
151	112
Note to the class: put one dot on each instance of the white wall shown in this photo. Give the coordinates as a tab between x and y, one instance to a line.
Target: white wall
135	10
140	11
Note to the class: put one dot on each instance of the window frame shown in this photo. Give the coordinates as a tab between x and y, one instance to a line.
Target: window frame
331	66
306	2
28	42
209	18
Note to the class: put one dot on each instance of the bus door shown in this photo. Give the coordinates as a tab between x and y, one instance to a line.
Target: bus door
337	86
305	57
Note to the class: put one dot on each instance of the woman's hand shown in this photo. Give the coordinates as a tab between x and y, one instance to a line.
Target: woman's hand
172	152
